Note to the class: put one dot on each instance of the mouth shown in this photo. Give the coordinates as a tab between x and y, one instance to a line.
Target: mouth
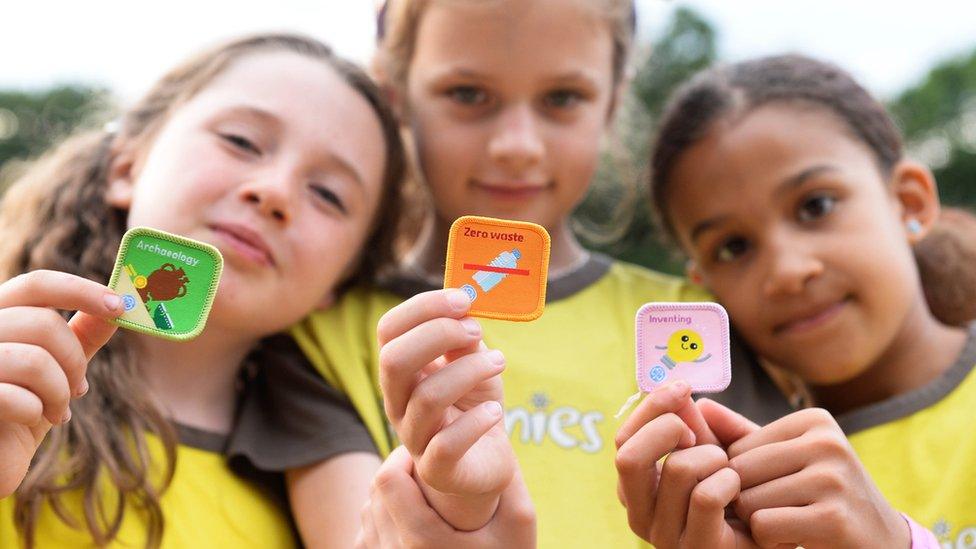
812	318
511	190
245	242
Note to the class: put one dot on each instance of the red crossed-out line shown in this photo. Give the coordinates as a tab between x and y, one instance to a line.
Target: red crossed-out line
491	269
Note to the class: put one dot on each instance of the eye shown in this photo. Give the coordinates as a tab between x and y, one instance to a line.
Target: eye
815	207
468	95
241	142
563	99
684	338
731	249
324	193
694	346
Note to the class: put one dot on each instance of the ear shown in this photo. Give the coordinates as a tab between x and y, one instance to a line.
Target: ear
121	177
694	273
619	94
915	191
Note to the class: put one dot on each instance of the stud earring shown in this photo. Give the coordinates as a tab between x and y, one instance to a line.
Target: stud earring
914	226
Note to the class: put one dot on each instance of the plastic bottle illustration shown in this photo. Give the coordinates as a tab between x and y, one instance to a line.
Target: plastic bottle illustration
488	280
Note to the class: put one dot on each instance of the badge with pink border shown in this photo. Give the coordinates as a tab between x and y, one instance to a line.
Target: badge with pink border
688	341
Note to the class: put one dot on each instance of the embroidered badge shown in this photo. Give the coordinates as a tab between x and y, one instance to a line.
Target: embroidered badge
167	283
501	265
688	341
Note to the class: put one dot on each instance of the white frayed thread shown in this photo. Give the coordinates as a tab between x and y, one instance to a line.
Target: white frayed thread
630	402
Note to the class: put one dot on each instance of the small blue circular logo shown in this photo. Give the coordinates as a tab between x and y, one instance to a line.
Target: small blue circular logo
658	374
128	302
469	289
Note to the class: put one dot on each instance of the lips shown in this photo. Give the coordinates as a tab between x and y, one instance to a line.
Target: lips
811	317
245	241
512	189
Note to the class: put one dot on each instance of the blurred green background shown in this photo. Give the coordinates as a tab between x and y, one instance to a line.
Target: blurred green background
937	116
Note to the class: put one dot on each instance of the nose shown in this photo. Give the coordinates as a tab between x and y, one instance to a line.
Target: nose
270	195
517	142
792	267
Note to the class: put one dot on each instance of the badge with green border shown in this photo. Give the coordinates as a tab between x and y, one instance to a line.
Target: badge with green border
167	283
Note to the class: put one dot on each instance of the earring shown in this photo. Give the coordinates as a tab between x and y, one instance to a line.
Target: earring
914	226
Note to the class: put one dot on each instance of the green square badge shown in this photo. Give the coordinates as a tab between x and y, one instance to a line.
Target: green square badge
167	283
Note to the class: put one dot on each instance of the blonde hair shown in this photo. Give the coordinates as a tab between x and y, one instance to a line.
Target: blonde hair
56	217
400	19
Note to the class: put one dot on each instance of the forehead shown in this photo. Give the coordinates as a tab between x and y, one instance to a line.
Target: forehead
514	38
313	105
767	145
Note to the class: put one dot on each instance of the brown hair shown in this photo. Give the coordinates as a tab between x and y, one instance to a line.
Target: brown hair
731	91
399	20
945	264
56	217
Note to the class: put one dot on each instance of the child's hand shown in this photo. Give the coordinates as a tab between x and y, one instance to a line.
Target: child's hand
398	516
682	502
802	484
43	358
442	392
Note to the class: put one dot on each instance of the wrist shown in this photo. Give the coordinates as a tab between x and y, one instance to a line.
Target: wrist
462	512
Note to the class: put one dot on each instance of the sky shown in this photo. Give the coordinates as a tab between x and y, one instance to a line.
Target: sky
124	45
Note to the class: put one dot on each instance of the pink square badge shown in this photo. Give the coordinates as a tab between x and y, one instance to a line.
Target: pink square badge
688	341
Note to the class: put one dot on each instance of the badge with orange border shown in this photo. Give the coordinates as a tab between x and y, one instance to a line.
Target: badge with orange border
501	265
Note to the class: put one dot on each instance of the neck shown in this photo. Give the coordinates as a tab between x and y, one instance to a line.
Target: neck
194	382
427	254
921	351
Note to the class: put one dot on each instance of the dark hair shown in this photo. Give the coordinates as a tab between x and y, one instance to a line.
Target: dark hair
56	217
731	91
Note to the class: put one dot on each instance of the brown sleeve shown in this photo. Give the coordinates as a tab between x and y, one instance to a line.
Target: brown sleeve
289	416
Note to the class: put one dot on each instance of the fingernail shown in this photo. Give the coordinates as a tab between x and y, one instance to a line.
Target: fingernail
496	357
471	326
83	387
458	300
680	388
113	302
67	416
493	408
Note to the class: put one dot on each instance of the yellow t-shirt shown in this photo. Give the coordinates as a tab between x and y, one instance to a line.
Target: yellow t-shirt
206	505
920	450
567	374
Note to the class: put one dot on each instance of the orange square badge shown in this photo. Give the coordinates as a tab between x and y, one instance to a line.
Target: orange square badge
501	265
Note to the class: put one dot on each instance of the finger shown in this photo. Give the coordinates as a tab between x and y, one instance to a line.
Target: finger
34	369
402	359
515	515
706	526
382	526
402	498
784	526
428	404
20	406
45	328
60	291
92	332
682	472
785	428
421	308
806	487
446	449
772	461
727	426
667	399
636	463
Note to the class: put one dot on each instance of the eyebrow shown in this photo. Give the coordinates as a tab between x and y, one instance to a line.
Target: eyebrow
784	187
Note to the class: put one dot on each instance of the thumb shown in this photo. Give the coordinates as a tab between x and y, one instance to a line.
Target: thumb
93	332
728	426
